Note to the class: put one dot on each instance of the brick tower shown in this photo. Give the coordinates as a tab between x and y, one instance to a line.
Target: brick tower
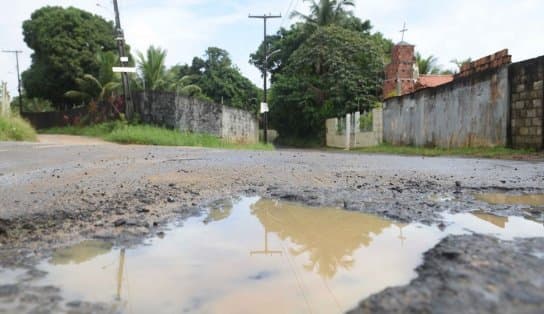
401	74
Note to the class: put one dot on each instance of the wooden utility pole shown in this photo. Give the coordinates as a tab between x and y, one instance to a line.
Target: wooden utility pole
120	38
265	66
17	52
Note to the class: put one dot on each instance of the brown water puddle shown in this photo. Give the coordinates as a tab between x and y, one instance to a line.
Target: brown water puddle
261	256
508	199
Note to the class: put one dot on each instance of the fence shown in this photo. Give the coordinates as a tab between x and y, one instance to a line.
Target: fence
356	130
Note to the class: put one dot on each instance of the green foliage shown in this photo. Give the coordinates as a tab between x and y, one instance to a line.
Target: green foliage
366	122
65	43
152	69
333	72
480	152
326	12
327	65
124	133
427	65
32	105
14	128
221	81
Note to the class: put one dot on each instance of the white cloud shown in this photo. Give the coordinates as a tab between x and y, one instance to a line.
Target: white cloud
463	28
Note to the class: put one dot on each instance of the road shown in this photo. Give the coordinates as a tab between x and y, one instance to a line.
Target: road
65	189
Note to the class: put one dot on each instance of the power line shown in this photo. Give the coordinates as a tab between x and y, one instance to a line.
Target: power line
265	18
17	52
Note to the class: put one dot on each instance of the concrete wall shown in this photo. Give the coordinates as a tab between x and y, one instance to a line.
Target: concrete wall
527	97
239	126
468	112
192	115
352	137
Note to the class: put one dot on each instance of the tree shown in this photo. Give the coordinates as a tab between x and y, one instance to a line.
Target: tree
325	12
221	81
97	88
333	72
65	43
427	65
152	69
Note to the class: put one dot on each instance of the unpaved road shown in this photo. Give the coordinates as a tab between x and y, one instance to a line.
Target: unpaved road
67	189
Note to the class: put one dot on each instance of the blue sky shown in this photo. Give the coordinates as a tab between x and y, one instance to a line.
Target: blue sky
445	29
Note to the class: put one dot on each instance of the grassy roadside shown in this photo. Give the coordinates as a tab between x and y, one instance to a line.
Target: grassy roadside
119	132
480	152
14	128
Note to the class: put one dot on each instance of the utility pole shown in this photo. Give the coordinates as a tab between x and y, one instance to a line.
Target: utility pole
265	66
17	52
120	38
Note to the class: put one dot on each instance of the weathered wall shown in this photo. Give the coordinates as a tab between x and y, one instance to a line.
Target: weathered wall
239	126
470	111
197	116
192	115
527	97
334	138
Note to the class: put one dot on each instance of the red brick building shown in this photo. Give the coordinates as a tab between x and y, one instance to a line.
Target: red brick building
402	75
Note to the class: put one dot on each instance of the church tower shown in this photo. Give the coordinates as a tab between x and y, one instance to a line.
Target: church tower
401	74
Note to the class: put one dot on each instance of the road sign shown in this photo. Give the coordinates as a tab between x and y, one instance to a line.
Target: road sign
123	70
264	107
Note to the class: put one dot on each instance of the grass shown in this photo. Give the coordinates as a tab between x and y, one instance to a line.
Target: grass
482	152
119	132
14	128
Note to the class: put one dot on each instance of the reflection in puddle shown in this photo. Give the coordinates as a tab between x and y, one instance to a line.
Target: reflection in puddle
80	253
262	256
494	219
508	199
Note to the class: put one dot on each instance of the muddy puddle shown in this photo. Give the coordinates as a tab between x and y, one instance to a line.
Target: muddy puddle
261	256
510	199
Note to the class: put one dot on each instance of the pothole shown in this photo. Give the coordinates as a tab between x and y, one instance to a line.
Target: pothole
260	255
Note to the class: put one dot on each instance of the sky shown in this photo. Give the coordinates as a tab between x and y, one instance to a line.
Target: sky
448	30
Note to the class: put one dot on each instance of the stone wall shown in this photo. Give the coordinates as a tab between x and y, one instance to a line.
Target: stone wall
192	115
527	98
471	111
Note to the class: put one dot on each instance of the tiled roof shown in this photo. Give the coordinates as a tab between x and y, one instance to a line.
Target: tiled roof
434	80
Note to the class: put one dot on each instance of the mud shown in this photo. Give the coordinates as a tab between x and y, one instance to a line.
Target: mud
56	196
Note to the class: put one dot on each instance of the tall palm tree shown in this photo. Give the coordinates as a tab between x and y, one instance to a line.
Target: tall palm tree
152	68
325	12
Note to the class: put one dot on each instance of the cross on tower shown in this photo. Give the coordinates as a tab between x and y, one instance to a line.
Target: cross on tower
403	31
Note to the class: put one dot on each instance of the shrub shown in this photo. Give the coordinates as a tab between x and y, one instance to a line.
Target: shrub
16	129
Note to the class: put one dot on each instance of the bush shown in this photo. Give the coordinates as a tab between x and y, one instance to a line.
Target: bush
16	129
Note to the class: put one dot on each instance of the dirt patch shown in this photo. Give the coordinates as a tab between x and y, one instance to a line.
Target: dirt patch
68	140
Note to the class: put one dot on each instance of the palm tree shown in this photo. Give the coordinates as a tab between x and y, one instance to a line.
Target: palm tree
427	65
91	88
325	12
152	68
185	86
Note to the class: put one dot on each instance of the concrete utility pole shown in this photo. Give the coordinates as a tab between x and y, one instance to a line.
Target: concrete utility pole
129	108
265	65
17	52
